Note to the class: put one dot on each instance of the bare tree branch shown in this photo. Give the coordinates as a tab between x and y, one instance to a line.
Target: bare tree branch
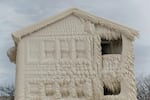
143	88
7	90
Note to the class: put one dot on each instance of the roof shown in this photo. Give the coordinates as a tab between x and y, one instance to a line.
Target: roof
18	35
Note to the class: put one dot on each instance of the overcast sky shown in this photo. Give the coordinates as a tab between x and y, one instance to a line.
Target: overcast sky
16	14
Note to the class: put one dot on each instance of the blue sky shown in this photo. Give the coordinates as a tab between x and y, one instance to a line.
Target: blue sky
16	14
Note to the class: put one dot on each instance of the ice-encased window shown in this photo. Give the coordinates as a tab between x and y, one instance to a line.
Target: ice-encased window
111	46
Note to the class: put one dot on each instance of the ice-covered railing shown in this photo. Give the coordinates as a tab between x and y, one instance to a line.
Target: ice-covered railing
111	62
111	72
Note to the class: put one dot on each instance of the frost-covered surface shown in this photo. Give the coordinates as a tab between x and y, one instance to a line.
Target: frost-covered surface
62	59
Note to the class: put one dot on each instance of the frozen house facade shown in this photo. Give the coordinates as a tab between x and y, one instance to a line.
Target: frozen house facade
74	56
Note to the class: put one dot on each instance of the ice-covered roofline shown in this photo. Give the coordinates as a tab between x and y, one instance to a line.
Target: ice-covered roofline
18	35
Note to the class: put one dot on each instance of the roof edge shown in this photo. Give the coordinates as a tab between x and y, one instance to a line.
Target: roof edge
18	35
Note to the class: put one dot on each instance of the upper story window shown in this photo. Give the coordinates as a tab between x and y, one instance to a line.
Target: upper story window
50	49
65	48
33	51
81	49
111	46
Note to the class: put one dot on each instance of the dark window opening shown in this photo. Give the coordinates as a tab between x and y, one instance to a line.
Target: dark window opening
111	46
113	91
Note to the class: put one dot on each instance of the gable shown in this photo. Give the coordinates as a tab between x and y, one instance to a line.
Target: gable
68	25
89	23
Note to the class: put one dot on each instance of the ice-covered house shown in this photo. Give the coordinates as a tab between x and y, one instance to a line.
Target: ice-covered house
74	56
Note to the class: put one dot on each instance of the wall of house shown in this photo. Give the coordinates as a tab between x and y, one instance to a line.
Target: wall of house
64	60
117	69
56	62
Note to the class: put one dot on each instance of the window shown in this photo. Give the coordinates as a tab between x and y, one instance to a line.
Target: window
111	46
65	47
49	48
33	51
49	89
34	89
114	90
81	49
